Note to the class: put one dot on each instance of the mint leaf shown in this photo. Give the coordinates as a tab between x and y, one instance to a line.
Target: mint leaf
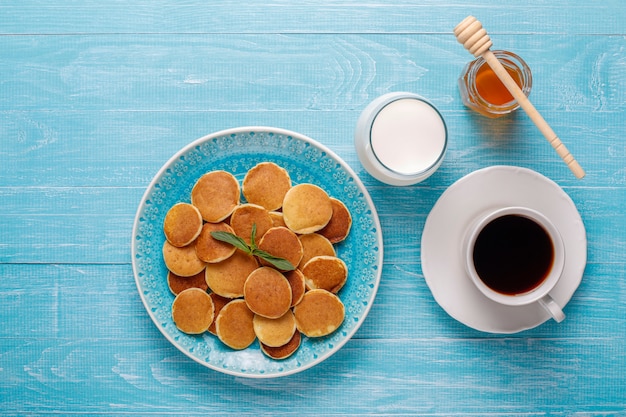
253	237
234	240
239	243
280	263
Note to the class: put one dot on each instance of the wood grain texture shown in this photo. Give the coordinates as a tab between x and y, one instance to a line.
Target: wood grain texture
96	96
288	72
324	16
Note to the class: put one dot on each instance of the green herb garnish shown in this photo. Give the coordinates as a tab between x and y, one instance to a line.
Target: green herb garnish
252	249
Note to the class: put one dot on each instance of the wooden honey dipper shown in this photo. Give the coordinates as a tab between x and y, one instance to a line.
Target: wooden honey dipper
475	39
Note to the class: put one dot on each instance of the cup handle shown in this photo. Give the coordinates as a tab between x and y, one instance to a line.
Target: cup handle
553	308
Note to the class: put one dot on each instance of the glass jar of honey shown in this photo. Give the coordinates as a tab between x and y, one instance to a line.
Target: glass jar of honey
482	91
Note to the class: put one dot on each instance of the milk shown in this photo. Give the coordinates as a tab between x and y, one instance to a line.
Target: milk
408	136
401	138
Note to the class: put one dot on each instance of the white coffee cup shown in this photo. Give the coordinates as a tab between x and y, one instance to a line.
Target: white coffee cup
515	256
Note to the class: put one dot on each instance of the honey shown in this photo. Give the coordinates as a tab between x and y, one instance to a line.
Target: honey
482	91
489	86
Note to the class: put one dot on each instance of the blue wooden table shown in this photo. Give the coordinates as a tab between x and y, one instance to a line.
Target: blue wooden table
96	96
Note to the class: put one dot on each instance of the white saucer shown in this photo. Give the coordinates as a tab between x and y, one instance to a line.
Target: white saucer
442	263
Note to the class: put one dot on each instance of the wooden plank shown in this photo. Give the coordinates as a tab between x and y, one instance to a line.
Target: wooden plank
126	149
87	301
329	16
72	226
299	72
130	376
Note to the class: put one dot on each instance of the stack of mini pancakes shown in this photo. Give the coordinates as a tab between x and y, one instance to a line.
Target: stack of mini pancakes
240	297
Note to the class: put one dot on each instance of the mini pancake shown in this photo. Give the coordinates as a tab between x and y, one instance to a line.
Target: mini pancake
182	224
266	185
267	293
227	278
218	303
306	208
319	313
216	194
283	352
277	218
274	332
340	223
283	243
325	272
233	325
245	215
178	284
314	245
297	284
182	261
212	250
193	311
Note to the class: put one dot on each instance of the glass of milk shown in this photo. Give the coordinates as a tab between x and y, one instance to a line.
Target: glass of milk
401	138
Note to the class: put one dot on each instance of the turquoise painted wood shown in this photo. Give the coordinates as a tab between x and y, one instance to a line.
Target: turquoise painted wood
96	96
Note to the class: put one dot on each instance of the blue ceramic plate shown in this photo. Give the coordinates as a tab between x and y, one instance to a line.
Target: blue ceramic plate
237	151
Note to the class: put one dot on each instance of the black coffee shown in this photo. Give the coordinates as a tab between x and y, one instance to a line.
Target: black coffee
513	254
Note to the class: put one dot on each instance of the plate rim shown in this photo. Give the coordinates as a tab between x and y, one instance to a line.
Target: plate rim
289	133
